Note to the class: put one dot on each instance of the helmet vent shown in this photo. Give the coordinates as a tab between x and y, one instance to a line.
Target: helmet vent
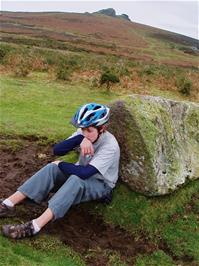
96	107
86	109
88	118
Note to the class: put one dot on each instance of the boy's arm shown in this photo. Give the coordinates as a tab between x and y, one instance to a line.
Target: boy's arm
83	172
67	145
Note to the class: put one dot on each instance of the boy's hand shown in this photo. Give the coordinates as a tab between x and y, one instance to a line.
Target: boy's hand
86	147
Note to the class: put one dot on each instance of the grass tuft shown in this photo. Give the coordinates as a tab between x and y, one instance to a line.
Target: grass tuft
158	258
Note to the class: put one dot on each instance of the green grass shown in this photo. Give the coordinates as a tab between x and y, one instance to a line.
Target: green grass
164	50
182	237
137	212
154	218
42	108
39	250
47	251
158	258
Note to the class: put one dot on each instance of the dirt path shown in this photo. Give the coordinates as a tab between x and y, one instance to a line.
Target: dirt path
84	232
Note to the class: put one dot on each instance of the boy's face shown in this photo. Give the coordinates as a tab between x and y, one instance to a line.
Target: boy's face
91	133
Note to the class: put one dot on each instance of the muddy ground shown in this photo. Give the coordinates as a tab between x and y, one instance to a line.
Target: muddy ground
79	229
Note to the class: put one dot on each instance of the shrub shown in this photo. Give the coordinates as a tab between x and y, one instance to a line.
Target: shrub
51	57
93	82
22	71
184	85
148	70
63	72
123	71
132	63
72	62
21	64
119	67
4	52
39	63
105	68
65	66
108	78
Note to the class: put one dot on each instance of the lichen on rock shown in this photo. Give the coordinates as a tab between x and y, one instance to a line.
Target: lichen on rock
159	141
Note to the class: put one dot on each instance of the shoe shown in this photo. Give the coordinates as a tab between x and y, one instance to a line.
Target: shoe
6	211
18	231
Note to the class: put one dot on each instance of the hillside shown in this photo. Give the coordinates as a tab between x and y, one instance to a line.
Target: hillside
99	33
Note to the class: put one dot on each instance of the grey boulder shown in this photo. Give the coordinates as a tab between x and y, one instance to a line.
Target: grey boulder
159	141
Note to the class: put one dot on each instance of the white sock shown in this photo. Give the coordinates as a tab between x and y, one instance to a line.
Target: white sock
8	203
36	227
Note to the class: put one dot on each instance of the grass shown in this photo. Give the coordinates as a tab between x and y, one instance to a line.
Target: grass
164	50
36	106
158	258
154	217
137	212
49	252
182	237
41	108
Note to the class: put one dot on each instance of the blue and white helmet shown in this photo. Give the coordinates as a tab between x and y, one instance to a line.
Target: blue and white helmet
91	114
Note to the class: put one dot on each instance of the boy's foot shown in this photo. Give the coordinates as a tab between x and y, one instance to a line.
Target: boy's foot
6	211
17	231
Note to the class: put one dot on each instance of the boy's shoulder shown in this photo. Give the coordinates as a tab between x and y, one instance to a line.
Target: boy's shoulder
110	139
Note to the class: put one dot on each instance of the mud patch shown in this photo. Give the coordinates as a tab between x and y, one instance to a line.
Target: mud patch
18	164
83	231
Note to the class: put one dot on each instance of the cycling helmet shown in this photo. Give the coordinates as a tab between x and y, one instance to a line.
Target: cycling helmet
91	114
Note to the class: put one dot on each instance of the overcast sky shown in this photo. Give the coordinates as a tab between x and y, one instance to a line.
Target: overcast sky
177	16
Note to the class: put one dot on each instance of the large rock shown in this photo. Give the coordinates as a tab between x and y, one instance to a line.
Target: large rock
108	12
159	140
124	16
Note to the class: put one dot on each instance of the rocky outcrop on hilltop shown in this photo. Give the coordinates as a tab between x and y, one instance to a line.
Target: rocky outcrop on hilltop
111	12
159	140
108	12
124	16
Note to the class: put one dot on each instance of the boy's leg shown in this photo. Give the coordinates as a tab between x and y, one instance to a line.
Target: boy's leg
61	200
15	198
71	191
7	208
74	191
41	183
37	188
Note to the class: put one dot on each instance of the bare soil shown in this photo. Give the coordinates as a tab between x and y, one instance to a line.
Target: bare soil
86	233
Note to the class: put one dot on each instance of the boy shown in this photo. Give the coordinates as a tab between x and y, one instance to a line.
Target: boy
92	178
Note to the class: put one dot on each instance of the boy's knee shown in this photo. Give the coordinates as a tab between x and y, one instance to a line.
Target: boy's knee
76	178
52	166
50	170
49	165
76	182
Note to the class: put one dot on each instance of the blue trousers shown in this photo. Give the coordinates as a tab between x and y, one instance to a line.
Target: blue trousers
69	190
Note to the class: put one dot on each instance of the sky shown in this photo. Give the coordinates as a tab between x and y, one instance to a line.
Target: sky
176	16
